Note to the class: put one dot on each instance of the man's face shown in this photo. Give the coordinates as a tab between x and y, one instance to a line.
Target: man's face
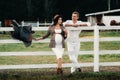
75	17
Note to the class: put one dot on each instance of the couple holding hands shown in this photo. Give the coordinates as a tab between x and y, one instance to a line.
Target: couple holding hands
58	34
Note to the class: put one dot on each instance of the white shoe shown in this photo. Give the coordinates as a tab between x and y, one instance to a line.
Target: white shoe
73	69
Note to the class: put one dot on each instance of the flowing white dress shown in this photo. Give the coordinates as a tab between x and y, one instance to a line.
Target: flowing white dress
58	50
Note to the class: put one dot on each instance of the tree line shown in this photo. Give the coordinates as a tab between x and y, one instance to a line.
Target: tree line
43	10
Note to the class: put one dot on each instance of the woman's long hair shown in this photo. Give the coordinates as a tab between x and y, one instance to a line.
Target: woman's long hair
55	19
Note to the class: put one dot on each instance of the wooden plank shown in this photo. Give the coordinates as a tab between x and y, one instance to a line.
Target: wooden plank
31	66
68	28
45	53
48	40
18	41
33	28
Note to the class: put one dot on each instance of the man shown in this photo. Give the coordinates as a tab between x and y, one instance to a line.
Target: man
73	42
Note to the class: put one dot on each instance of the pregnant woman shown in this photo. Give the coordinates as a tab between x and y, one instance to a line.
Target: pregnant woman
58	34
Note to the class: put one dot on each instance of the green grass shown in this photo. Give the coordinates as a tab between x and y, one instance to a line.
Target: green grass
108	33
49	74
52	59
20	47
113	45
114	33
85	46
106	73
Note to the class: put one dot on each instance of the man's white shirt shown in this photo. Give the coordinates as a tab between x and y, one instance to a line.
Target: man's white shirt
73	33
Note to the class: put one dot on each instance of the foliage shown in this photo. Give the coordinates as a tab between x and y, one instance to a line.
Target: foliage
45	9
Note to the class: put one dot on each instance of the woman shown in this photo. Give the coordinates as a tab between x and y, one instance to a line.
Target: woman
57	32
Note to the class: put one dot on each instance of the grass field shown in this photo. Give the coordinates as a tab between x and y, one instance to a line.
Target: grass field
49	74
106	73
52	59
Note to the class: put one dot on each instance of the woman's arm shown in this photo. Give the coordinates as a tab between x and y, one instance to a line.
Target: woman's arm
65	32
44	36
37	39
47	34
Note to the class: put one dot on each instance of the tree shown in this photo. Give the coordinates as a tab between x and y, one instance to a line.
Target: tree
45	9
49	9
29	8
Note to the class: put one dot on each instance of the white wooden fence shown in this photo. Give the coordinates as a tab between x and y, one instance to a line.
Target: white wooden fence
96	51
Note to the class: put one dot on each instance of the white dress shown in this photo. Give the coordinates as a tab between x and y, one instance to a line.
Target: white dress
58	50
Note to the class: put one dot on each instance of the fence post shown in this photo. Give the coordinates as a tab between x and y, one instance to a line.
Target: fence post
96	49
23	23
37	23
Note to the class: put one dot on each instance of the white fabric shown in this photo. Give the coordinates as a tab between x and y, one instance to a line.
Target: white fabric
58	50
58	31
73	51
73	35
58	38
73	45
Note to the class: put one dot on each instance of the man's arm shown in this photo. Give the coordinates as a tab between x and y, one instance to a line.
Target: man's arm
75	25
85	24
67	23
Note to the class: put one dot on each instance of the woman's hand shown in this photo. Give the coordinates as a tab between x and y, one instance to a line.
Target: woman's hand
37	39
66	33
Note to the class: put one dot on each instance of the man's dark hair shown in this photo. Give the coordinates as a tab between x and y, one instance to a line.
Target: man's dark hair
75	12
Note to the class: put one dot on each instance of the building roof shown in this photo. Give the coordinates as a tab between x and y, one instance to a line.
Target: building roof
104	12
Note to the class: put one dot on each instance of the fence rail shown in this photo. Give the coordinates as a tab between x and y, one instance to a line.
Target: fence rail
95	52
39	53
47	40
28	66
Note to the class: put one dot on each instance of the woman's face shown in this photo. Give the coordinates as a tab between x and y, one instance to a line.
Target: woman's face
60	20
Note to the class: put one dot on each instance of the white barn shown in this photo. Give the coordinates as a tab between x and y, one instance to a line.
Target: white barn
103	17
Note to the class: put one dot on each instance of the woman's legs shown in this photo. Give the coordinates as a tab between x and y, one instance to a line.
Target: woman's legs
59	66
59	52
59	63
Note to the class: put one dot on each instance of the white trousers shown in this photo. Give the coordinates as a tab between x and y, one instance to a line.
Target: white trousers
73	51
